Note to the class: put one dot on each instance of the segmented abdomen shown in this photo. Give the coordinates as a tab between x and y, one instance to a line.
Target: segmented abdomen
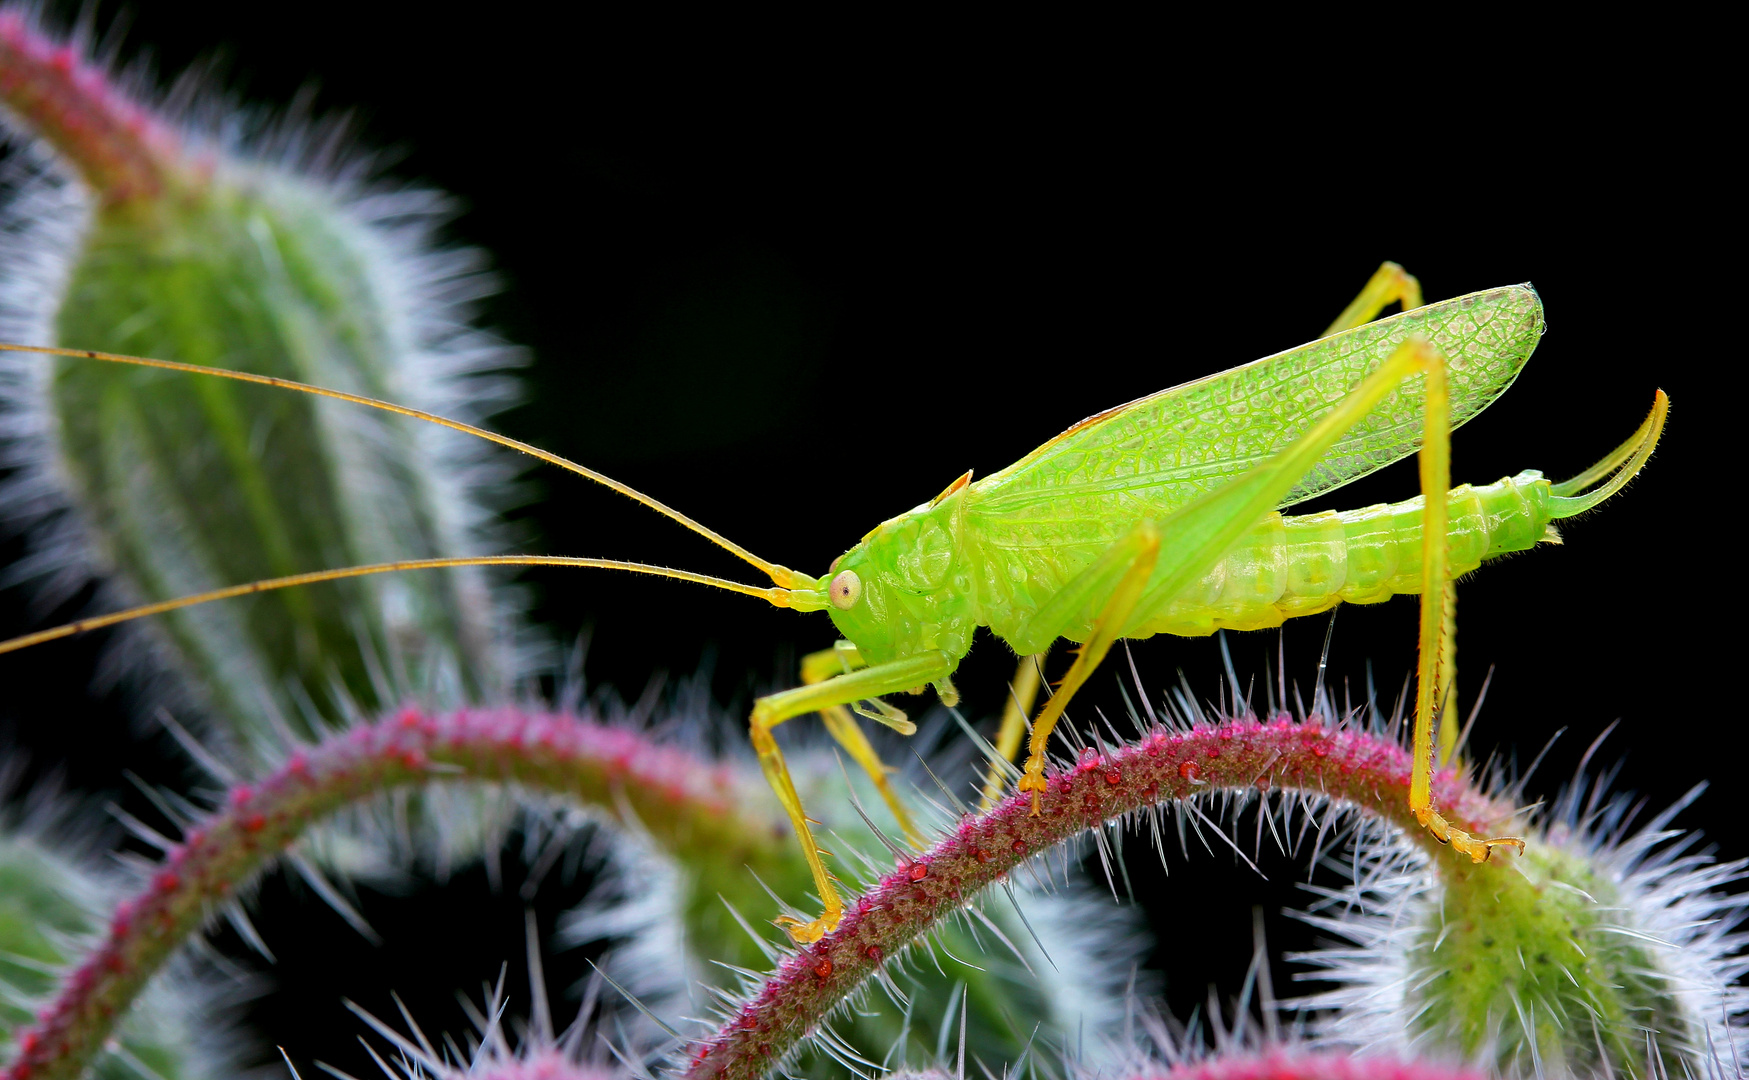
1300	565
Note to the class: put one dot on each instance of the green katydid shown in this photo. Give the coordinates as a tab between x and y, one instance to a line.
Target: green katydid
1158	516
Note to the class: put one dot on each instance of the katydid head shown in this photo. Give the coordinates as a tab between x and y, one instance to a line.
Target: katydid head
903	589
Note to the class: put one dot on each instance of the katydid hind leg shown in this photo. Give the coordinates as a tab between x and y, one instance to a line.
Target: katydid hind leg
770	711
1188	542
1437	653
1389	284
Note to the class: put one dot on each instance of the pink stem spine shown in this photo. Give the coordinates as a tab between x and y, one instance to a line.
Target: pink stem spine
1366	770
684	803
120	150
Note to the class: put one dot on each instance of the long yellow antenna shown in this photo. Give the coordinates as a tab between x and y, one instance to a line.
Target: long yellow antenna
778	597
782	576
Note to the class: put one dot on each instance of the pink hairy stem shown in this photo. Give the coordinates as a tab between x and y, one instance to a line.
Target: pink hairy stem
1366	770
685	804
1284	1063
120	151
1290	1064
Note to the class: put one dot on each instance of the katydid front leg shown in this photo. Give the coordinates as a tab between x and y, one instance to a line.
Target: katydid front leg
842	659
908	673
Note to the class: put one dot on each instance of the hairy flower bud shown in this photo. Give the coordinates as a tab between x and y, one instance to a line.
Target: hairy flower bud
177	246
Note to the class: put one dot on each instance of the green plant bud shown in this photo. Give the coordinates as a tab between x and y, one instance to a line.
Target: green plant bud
175	484
1595	953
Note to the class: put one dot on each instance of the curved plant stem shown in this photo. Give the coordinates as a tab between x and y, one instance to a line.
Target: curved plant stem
1289	1064
1366	770
120	150
687	806
1282	1064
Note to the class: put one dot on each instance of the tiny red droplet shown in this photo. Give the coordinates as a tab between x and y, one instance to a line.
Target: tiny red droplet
1017	847
1262	783
1152	791
980	854
255	822
1319	750
918	871
873	952
1188	770
167	882
823	969
1067	783
1114	778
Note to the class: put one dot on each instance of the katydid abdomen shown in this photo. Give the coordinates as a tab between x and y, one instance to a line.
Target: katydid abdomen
1297	565
1308	563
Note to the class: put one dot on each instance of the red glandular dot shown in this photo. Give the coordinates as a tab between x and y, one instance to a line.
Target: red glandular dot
1089	759
255	823
1114	778
1017	847
873	952
1066	784
167	882
1262	783
1213	752
918	871
980	854
1188	770
1319	750
1152	791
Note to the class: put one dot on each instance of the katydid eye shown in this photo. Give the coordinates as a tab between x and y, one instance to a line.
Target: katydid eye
845	589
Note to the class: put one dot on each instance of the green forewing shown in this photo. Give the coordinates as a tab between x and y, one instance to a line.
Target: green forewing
1158	453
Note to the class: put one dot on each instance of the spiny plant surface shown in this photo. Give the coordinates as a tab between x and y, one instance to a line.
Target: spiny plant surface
1602	951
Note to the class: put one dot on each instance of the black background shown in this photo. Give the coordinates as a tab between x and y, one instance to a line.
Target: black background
793	291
